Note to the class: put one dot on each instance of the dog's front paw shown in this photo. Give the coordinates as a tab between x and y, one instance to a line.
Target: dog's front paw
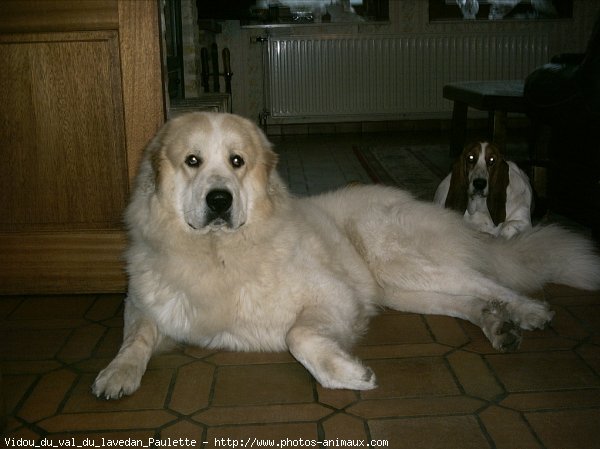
117	380
344	372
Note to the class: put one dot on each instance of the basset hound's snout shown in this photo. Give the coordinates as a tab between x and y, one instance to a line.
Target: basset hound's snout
479	185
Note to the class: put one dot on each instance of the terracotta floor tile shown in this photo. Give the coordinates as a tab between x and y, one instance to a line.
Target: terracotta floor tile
535	371
583	299
166	360
29	366
47	395
20	432
8	305
192	388
32	344
477	340
474	375
588	315
198	352
344	427
557	291
81	343
104	307
552	343
425	376
52	307
390	328
449	432
508	429
14	388
279	384
110	344
591	355
93	365
116	321
574	429
566	324
552	400
261	414
446	330
79	422
336	398
183	429
39	324
427	406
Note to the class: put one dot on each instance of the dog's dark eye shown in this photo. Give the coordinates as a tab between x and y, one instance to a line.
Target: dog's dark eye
491	161
237	161
471	159
193	161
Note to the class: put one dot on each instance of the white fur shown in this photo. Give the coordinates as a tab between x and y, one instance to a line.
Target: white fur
305	275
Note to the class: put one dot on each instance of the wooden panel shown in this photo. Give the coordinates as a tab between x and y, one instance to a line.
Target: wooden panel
62	137
80	102
57	15
76	262
142	76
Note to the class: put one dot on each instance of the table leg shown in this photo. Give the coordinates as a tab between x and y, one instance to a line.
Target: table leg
500	130
458	132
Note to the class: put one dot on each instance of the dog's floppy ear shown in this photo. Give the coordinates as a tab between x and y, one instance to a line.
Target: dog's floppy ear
498	182
148	177
458	196
268	157
150	170
156	158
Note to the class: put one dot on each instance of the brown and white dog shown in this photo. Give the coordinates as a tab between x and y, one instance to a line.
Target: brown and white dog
494	194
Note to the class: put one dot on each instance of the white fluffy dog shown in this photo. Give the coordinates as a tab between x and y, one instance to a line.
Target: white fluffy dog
222	256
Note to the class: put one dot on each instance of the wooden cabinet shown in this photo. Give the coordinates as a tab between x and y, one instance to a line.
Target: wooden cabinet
81	95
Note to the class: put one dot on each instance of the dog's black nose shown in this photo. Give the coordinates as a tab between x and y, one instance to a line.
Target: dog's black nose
479	183
219	201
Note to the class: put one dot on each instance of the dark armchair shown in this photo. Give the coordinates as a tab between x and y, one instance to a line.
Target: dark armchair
565	95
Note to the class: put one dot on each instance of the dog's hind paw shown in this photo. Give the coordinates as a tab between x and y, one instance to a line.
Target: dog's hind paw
501	331
507	337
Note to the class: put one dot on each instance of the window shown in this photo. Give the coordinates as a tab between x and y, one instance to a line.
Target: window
499	9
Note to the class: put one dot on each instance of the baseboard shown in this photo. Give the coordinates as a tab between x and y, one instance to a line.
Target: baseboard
61	262
383	126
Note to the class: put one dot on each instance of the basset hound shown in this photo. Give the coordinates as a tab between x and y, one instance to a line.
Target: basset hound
494	194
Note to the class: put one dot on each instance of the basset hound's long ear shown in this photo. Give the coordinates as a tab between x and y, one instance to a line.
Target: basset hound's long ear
498	182
458	196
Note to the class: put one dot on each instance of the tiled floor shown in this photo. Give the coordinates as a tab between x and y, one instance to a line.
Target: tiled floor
441	385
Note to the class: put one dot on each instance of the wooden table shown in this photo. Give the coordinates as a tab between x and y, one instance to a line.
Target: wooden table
496	97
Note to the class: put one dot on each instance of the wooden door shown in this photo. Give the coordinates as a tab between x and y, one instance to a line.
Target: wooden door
81	96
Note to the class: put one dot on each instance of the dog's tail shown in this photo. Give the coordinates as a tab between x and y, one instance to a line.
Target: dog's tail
541	255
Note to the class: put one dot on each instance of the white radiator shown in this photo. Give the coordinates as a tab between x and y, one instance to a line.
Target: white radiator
337	78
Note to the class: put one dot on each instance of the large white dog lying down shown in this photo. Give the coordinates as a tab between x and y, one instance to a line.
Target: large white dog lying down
222	256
